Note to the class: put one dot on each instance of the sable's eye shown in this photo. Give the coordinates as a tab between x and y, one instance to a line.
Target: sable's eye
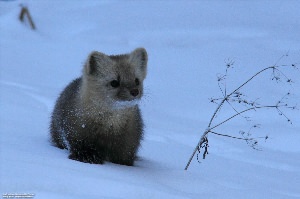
137	81
115	83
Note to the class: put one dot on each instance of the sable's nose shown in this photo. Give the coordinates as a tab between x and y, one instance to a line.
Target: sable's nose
134	92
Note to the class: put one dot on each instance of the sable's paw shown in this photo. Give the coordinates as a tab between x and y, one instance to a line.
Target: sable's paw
127	162
86	159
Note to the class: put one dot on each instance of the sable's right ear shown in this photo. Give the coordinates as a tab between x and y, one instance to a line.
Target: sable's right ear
96	61
139	57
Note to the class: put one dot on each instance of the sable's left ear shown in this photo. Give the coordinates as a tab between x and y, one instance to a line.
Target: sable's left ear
139	58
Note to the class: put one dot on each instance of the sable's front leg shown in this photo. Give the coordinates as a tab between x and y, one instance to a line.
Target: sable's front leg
122	152
85	152
122	157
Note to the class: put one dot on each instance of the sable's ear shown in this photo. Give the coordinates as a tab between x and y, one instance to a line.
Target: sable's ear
139	58
96	61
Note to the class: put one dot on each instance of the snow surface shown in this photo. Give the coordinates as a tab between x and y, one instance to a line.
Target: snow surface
189	43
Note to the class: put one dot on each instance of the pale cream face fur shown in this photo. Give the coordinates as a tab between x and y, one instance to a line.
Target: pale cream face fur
113	82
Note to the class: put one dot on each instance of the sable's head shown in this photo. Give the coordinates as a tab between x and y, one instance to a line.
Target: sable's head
115	78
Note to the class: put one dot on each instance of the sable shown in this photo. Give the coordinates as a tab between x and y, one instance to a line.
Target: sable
97	117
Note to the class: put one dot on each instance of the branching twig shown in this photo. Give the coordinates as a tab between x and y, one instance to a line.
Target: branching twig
239	138
237	96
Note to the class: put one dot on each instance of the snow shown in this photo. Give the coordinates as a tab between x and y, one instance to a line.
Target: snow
189	43
125	104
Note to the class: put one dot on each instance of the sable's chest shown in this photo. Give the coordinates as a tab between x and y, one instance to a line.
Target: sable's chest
106	123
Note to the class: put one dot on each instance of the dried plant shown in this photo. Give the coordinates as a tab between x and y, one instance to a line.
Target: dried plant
25	14
238	98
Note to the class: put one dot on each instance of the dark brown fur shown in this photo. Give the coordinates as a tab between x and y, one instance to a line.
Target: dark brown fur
85	119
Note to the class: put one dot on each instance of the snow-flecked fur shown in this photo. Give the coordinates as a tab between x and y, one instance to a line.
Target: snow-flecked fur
94	118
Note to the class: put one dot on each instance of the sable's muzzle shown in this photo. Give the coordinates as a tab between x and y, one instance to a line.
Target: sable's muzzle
135	92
